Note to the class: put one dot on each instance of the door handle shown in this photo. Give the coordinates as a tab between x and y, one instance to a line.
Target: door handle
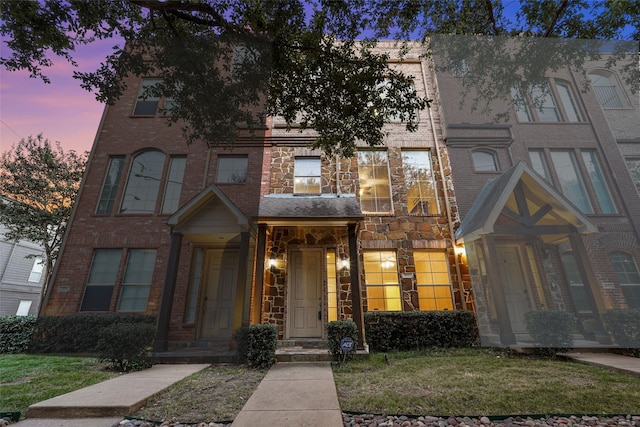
319	315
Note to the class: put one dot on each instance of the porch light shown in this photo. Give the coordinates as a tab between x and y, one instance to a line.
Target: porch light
272	260
460	252
344	262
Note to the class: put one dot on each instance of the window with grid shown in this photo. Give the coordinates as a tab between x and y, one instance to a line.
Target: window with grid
551	101
381	280
570	180
173	187
332	286
307	175
421	185
110	185
102	279
375	188
143	183
232	169
147	102
433	280
628	277
137	280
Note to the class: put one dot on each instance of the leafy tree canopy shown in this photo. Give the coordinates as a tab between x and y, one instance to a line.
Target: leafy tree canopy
38	186
312	62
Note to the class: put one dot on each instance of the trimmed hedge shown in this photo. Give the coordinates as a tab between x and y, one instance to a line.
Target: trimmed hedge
416	330
624	327
256	345
551	330
78	333
15	333
125	346
336	331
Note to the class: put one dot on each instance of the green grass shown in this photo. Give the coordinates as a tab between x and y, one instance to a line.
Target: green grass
481	382
27	379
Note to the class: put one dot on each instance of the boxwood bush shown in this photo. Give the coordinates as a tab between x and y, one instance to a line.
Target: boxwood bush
551	331
416	330
338	330
256	345
624	327
15	333
125	346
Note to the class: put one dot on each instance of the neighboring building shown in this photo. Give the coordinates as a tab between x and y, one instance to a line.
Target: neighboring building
210	240
550	215
21	276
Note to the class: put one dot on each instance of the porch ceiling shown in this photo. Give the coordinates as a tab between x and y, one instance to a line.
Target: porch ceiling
290	209
534	206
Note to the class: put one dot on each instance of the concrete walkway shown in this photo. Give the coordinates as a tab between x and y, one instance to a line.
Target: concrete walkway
616	362
293	394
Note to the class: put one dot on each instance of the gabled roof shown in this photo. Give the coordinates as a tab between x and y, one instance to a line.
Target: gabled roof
530	201
299	210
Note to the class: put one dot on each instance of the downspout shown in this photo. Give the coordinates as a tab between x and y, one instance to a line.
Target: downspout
444	187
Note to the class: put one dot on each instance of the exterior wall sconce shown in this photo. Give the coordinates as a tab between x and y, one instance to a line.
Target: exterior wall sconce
272	260
344	263
460	252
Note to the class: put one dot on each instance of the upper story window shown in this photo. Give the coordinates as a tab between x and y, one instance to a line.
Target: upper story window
307	174
484	161
173	187
143	183
634	170
421	186
628	277
36	270
605	86
147	102
375	187
110	185
232	169
552	101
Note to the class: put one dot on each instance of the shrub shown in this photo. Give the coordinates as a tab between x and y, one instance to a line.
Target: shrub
125	346
551	330
15	333
624	327
257	345
77	333
336	331
416	330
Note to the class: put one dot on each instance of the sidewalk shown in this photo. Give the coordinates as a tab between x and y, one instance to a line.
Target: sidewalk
616	362
293	394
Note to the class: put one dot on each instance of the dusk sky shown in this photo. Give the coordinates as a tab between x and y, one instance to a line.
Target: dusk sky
61	111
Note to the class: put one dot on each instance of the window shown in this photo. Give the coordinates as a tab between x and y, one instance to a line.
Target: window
628	277
566	167
102	278
232	170
597	182
375	188
381	279
110	185
576	286
307	175
484	161
137	280
552	101
421	186
539	163
36	270
607	90
147	104
332	286
433	280
143	184
194	286
634	170
23	308
173	187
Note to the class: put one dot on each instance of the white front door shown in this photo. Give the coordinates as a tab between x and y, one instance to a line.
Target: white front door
514	285
305	293
219	294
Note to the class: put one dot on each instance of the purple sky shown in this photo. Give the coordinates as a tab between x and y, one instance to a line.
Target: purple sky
62	111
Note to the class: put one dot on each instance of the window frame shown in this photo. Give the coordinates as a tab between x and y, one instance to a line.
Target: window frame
298	167
432	200
614	86
630	289
130	281
426	279
152	192
101	287
528	102
109	192
145	102
37	269
173	184
227	157
378	183
487	152
388	283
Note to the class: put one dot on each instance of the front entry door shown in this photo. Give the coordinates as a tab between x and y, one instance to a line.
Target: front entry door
305	296
514	285
220	293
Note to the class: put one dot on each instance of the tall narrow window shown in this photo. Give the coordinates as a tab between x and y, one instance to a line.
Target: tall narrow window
307	175
634	170
628	277
102	278
147	102
484	161
137	280
568	102
521	105
36	270
607	90
433	280
332	286
194	286
173	187
110	185
232	170
375	188
421	186
143	183
539	163
381	279
564	162
545	104
576	284
597	182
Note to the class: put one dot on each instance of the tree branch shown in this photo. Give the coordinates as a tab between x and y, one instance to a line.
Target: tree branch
559	13
492	18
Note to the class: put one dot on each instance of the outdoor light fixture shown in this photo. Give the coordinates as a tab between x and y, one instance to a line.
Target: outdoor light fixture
344	262
272	260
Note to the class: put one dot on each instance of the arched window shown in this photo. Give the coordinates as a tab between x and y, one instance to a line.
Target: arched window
143	183
605	86
628	276
484	161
